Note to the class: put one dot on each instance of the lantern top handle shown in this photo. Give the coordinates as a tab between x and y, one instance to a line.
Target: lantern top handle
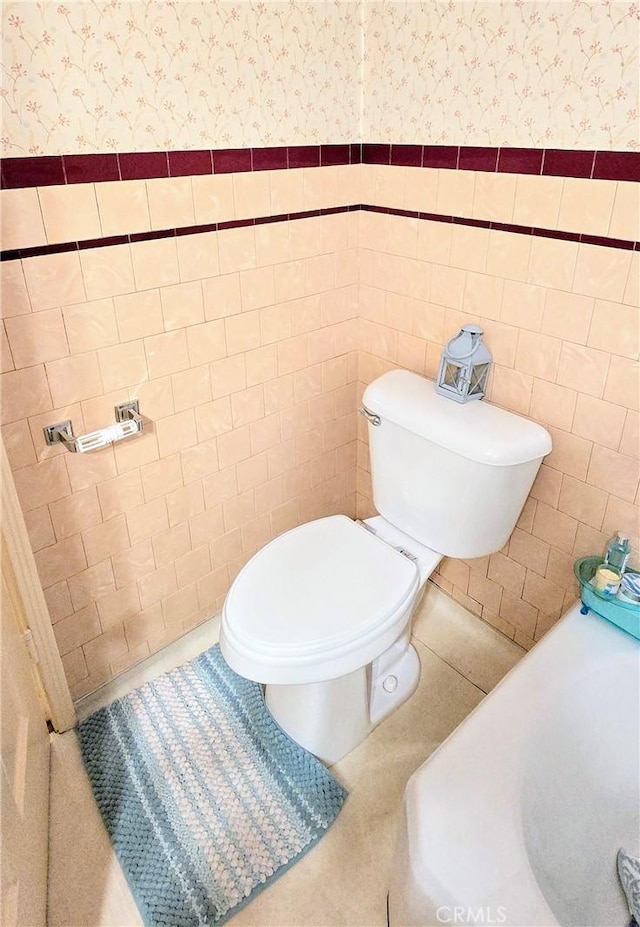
463	346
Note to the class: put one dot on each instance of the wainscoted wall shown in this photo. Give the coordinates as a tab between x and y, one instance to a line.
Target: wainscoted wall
245	346
563	323
238	289
241	346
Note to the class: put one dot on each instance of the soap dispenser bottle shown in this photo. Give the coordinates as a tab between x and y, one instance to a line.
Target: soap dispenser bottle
618	552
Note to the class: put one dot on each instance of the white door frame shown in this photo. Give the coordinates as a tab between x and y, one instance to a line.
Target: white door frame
30	603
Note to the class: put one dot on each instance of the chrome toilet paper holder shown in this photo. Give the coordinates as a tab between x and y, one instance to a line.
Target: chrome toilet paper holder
128	423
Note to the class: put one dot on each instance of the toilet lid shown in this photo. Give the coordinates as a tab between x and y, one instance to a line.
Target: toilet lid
321	586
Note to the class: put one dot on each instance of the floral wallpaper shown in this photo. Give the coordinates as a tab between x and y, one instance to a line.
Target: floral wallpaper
503	72
103	75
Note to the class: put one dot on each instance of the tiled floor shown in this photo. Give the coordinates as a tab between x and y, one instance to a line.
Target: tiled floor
343	880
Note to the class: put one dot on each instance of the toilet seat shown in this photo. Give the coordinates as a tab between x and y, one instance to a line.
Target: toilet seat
315	603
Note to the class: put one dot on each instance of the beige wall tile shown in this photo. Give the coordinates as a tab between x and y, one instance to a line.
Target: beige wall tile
176	432
554	527
182	305
198	256
54	280
251	194
193	565
615	328
107	271
75	513
614	473
147	520
623	382
60	561
155	396
236	249
508	255
14	296
116	607
18	444
469	247
570	453
155	263
87	470
583	502
455	193
123	365
632	290
39	528
123	206
191	387
221	296
206	342
72	632
511	389
552	263
523	305
21	219
118	495
242	332
567	316
630	443
538	355
583	369
184	503
70	212
88	585
161	477
625	216
599	421
37	337
537	201
139	315
74	378
166	353
214	418
213	198
144	626
170	202
171	544
157	585
494	196
553	404
601	272
586	205
105	540
90	326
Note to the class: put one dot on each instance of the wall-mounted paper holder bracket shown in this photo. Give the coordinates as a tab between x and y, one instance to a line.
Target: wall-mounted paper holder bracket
128	423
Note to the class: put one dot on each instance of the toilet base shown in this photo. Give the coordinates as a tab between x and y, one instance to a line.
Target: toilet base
331	718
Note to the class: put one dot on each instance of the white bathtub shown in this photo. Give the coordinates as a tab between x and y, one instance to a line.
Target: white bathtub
518	816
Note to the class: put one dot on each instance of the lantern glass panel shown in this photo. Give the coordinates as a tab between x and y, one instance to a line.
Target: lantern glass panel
452	376
478	381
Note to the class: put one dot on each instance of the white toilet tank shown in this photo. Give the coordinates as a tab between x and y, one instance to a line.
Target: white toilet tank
453	476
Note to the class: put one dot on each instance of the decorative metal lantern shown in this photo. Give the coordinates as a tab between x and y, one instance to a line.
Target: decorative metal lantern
464	366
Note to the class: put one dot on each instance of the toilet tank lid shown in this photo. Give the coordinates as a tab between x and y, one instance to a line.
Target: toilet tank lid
477	430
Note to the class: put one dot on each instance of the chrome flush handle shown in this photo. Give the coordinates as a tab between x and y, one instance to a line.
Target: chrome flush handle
371	417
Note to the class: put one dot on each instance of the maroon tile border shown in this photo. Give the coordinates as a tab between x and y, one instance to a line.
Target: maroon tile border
93	168
40	250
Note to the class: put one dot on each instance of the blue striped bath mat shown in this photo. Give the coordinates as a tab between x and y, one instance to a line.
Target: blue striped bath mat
205	798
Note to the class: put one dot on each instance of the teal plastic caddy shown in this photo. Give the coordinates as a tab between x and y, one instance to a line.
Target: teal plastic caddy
625	615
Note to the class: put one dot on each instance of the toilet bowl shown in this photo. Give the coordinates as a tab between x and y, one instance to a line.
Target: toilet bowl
322	614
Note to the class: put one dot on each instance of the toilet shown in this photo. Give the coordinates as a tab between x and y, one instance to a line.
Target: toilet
321	615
